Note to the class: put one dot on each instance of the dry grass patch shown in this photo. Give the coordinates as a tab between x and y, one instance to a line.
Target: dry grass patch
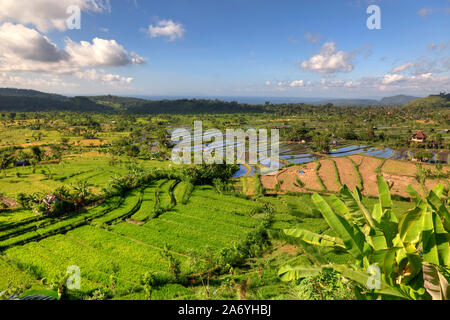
404	168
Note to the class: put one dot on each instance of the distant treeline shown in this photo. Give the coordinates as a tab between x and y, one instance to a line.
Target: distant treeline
18	100
33	104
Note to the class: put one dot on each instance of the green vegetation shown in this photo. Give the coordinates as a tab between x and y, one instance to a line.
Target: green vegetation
394	258
88	182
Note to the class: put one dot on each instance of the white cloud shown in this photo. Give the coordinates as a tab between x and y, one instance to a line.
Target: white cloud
268	83
104	53
329	60
167	28
402	67
314	38
425	12
391	78
25	49
38	82
28	44
26	52
94	75
422	84
297	83
46	15
441	45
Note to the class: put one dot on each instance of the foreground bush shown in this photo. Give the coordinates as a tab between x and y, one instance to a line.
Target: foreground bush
395	258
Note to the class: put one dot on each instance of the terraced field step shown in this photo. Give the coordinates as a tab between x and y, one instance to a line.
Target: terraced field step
147	208
126	209
63	225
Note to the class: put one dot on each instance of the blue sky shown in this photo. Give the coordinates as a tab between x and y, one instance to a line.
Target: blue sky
284	48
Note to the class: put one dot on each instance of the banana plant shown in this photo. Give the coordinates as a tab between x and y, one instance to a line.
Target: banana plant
405	257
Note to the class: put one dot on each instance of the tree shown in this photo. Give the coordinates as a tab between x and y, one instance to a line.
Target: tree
204	263
423	155
320	143
37	153
149	280
82	192
395	258
6	157
11	116
173	263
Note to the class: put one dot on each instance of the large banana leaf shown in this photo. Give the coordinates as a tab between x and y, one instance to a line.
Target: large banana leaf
437	204
389	226
414	194
377	239
411	224
341	208
362	278
356	207
314	238
436	247
289	273
386	260
384	193
352	237
435	283
377	213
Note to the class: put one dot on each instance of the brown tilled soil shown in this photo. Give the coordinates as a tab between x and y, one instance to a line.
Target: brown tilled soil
368	174
289	249
135	222
400	167
400	183
430	184
308	178
398	174
328	175
432	167
9	202
267	182
357	158
347	172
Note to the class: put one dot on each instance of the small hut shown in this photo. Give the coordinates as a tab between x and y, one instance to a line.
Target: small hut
420	137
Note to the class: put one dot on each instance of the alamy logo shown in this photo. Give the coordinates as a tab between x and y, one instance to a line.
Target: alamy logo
74	279
374	280
216	147
74	20
374	21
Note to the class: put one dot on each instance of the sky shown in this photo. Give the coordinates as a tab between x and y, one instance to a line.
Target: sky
212	48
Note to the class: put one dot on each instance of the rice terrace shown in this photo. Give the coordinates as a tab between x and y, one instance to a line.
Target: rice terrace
113	196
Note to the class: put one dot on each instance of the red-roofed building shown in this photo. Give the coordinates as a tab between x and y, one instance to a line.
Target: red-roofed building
420	136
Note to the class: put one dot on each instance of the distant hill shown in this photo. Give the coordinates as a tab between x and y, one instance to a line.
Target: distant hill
119	103
30	93
433	101
397	100
348	102
388	101
19	100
